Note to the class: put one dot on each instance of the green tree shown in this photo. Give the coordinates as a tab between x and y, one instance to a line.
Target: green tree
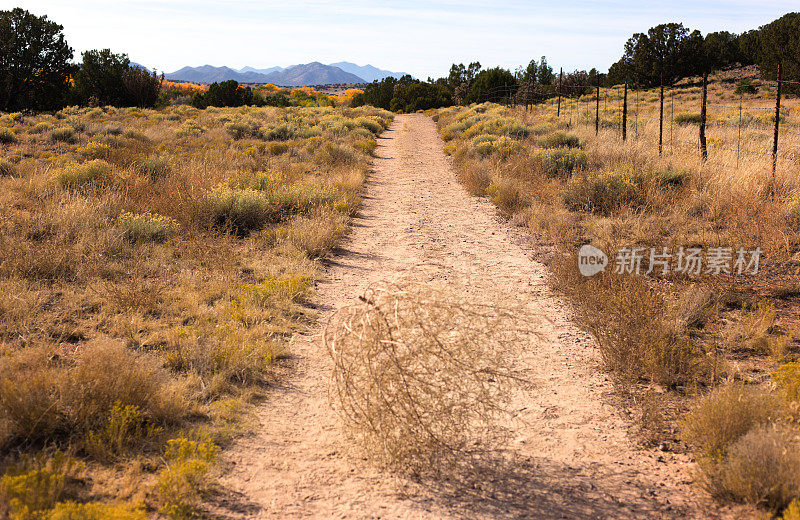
378	94
141	87
100	79
722	49
34	62
667	51
411	95
780	43
530	73
228	94
544	74
748	46
492	85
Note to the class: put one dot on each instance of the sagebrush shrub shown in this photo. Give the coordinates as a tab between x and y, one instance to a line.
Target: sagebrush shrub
29	490
95	150
7	169
674	176
154	166
761	468
787	377
242	209
7	136
689	118
64	134
77	175
558	140
147	227
96	511
560	162
282	132
727	413
40	128
605	192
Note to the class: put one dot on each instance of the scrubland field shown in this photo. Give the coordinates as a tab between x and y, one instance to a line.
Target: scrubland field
153	265
706	364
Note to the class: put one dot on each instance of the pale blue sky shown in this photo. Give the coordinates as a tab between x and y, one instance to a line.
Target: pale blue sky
422	38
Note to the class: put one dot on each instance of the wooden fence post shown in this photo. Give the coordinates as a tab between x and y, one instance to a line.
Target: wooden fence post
703	147
661	119
560	79
597	108
625	113
777	124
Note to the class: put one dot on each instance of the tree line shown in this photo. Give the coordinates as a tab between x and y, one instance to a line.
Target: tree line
664	54
37	72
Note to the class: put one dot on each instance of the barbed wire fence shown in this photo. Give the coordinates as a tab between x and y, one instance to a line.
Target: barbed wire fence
628	110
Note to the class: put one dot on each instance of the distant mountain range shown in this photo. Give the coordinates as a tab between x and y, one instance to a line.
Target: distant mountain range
368	72
314	73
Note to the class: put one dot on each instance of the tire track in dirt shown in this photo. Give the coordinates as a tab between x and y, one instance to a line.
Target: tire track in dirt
570	458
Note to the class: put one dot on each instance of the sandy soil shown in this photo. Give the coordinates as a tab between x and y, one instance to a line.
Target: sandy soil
571	456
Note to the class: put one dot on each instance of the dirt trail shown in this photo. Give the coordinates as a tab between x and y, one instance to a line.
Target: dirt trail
571	457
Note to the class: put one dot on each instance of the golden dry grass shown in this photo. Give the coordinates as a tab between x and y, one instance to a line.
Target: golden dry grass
142	285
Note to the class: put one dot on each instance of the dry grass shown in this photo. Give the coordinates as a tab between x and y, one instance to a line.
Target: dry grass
684	334
422	376
726	414
133	300
762	468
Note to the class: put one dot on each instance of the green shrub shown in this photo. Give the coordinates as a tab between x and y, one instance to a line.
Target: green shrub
604	192
95	150
7	136
153	166
793	211
747	86
40	128
240	129
334	155
126	427
7	169
63	134
242	209
112	129
559	140
560	162
726	414
293	288
147	227
674	177
190	128
688	118
77	175
483	143
370	124
282	132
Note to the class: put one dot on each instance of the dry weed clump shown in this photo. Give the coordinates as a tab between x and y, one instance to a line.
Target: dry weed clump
422	376
761	468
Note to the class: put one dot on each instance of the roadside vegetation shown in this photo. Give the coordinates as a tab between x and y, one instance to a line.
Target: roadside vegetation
153	265
708	363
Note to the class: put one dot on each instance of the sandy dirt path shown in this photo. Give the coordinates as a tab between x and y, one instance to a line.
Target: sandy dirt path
571	456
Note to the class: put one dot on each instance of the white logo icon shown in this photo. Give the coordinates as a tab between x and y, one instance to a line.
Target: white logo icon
591	260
